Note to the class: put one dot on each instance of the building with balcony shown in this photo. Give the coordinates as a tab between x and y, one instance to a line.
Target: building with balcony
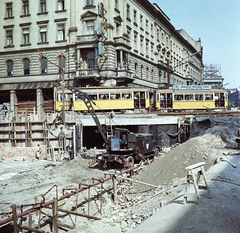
97	43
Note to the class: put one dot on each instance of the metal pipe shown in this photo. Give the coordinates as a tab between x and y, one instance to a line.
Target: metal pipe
67	195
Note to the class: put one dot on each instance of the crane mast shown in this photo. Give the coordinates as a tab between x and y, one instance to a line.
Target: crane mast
88	102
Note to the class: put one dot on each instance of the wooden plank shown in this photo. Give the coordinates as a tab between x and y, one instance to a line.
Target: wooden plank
195	166
14	210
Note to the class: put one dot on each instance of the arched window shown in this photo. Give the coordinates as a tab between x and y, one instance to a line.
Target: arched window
43	66
136	69
159	76
61	64
141	72
26	66
147	73
152	75
10	68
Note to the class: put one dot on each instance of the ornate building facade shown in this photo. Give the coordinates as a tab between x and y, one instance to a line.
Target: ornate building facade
97	43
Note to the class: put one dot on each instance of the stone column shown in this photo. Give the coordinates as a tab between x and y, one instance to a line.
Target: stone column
13	101
78	58
40	109
121	59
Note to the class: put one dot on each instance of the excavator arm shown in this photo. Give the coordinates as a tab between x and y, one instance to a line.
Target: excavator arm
88	102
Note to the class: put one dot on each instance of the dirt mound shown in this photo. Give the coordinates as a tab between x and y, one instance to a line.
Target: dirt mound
205	148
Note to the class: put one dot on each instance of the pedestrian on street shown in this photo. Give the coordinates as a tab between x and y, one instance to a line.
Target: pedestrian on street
38	152
69	148
4	108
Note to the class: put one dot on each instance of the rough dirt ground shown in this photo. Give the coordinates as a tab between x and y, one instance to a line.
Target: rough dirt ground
140	208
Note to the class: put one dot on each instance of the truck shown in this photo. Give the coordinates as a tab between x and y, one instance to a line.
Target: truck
122	146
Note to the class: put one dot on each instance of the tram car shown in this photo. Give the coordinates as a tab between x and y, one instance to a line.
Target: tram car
196	99
105	99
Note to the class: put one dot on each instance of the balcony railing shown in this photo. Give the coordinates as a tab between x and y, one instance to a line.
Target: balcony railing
124	74
122	40
88	73
87	38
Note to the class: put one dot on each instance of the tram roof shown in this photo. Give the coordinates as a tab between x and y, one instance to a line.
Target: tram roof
191	91
106	90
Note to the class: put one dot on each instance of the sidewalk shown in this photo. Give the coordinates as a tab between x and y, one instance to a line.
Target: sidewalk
219	214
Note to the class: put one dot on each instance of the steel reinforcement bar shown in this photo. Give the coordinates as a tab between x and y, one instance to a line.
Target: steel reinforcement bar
67	195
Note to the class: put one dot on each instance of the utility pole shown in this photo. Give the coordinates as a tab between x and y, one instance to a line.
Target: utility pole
168	72
63	99
63	95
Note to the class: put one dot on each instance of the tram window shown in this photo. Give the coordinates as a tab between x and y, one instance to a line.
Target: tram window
198	97
178	97
158	97
136	95
208	96
106	97
188	97
118	96
101	97
93	97
112	97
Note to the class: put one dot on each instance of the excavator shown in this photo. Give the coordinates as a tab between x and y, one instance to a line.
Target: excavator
122	146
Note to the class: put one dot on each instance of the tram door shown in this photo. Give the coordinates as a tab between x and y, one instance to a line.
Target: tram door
169	100
139	99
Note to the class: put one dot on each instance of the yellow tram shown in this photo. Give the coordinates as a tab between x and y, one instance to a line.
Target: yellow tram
105	99
191	99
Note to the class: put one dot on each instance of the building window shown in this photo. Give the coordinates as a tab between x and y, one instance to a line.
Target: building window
136	69
90	60
117	29
26	65
152	75
135	41
9	10
158	38
152	29
89	2
10	68
60	5
141	20
43	6
43	34
116	4
25	7
89	27
141	44
135	16
9	39
147	49
61	64
146	24
44	66
61	32
128	11
147	73
26	36
129	33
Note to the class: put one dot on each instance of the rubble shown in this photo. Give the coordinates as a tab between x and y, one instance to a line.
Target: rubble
139	197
